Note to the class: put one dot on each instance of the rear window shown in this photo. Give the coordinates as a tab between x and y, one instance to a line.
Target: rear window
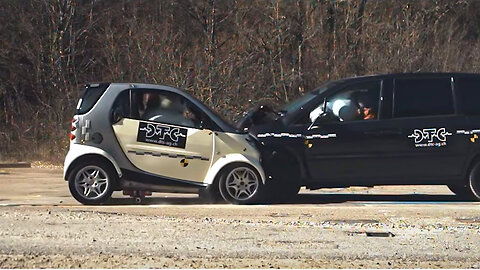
468	93
423	97
90	97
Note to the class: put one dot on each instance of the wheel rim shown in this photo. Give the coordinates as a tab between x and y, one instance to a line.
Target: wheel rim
242	183
91	182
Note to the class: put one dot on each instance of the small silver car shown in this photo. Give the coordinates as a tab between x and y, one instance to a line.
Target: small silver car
143	138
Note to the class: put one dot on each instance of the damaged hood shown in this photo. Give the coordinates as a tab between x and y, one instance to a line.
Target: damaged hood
260	115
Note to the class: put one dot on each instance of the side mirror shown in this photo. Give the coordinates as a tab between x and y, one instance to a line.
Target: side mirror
117	115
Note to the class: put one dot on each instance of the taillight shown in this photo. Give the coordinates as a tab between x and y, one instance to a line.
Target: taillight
72	136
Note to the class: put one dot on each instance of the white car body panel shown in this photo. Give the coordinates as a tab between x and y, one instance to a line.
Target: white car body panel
78	150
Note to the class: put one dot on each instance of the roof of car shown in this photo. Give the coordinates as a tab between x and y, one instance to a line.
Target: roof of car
355	79
149	86
225	126
410	74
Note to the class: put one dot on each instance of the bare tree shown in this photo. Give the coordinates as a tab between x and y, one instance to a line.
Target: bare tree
230	54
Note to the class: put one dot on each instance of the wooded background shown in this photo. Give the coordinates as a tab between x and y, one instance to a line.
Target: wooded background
232	55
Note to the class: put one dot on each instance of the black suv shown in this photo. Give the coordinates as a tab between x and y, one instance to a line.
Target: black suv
394	129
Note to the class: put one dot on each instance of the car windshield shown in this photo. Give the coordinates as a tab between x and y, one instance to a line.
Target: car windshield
222	118
298	103
306	98
217	117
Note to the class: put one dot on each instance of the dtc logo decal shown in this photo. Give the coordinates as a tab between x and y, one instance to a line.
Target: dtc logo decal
429	137
162	134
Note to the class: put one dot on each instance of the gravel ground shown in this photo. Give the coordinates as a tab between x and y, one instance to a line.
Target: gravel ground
41	226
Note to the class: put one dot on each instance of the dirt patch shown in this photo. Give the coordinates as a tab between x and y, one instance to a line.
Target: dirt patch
178	231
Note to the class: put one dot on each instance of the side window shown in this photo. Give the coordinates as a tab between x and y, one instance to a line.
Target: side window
468	93
356	102
422	97
165	107
122	104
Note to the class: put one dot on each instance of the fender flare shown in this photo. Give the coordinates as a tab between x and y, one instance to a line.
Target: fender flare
229	159
78	151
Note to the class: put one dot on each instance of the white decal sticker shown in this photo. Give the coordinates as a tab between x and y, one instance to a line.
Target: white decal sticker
289	135
430	137
321	136
279	135
162	134
468	132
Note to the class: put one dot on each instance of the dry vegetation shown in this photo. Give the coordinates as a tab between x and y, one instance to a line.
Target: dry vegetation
230	54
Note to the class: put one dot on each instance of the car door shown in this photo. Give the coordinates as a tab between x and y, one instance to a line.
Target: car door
353	150
431	147
161	134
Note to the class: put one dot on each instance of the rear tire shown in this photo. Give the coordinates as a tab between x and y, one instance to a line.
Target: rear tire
240	183
474	182
92	181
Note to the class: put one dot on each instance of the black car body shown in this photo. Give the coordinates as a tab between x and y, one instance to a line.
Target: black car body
424	130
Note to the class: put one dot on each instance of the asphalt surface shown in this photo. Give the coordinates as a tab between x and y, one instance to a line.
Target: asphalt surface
41	225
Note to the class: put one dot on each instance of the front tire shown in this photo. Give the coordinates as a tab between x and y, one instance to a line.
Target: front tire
241	184
283	190
460	190
92	182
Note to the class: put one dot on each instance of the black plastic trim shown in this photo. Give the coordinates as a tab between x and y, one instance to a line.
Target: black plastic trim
148	178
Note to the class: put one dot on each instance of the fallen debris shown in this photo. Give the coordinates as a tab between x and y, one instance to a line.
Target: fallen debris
379	234
372	234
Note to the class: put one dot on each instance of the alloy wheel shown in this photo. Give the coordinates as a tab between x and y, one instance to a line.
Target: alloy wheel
241	183
91	182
